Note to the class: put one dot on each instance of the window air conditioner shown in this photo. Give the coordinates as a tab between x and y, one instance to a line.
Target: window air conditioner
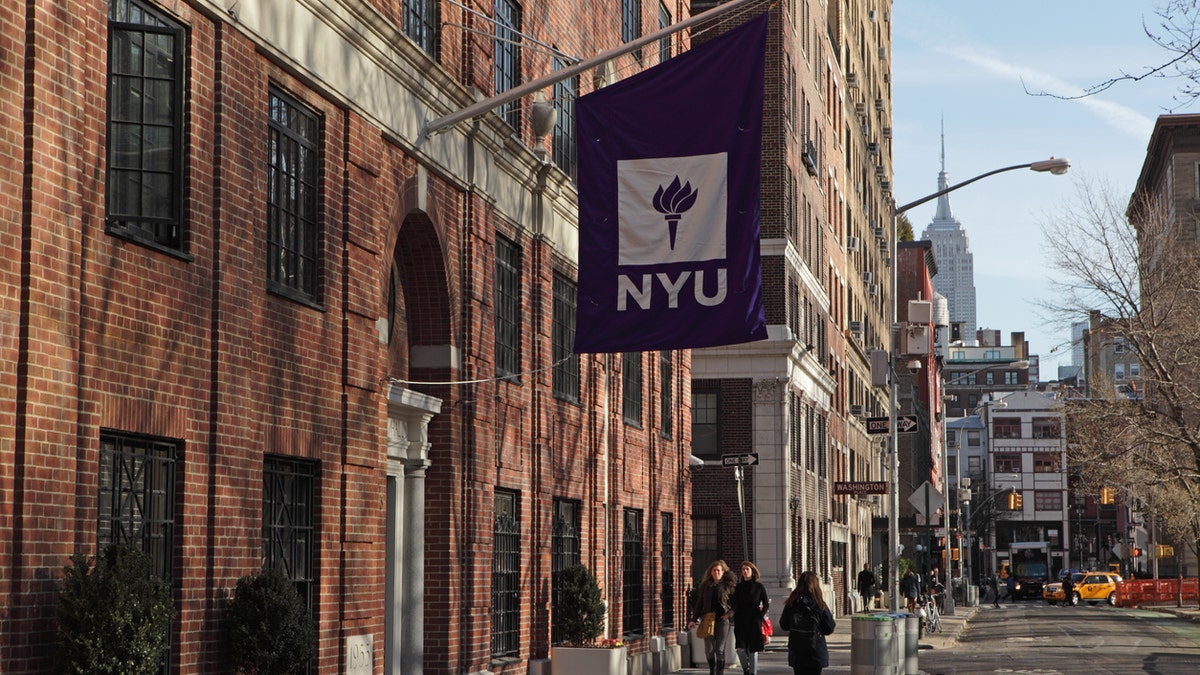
868	277
879	232
873	148
856	326
856	410
887	132
860	108
852	80
852	243
874	289
879	104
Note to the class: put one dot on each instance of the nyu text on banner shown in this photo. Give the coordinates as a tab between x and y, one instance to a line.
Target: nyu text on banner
669	202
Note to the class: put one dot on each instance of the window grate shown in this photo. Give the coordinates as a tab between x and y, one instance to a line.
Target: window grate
288	517
668	569
506	582
566	362
136	497
508	308
564	551
292	197
632	584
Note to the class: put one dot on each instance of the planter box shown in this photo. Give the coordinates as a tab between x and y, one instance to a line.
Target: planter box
587	661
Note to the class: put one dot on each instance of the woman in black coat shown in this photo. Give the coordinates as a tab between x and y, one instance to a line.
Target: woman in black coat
750	603
807	620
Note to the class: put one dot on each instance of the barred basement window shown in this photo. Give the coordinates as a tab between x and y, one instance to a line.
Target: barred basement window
668	569
506	582
508	309
136	497
632	584
506	58
421	22
293	163
566	362
666	401
144	186
563	140
289	511
631	387
564	551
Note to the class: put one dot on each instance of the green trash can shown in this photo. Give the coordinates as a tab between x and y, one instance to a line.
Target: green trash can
873	644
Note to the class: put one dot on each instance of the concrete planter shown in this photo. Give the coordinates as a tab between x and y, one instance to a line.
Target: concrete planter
588	661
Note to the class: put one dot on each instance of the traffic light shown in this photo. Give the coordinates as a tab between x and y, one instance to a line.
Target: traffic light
1014	500
1137	552
1165	551
1106	496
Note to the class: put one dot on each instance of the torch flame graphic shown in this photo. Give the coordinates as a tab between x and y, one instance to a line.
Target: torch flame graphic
672	201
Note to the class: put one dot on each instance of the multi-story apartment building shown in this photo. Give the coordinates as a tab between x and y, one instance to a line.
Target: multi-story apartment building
973	371
1028	482
798	399
255	315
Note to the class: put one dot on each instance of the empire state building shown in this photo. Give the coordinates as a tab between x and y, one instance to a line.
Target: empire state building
956	264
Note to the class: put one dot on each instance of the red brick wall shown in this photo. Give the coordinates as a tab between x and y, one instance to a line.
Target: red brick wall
102	333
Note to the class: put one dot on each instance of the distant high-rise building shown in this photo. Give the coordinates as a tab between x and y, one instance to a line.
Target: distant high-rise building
956	263
1078	330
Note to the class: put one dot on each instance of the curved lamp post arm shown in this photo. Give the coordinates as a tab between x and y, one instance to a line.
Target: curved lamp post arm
1056	166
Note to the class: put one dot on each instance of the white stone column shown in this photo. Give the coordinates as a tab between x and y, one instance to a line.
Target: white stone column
408	446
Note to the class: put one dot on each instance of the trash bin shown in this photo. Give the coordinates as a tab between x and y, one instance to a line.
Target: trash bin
910	636
873	644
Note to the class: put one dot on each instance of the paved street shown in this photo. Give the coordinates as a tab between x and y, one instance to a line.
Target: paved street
774	660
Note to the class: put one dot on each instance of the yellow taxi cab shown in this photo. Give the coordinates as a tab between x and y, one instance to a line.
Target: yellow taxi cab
1091	587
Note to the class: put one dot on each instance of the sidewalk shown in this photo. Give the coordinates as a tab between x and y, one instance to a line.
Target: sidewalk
774	660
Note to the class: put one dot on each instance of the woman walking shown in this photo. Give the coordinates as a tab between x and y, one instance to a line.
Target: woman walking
750	603
715	596
807	620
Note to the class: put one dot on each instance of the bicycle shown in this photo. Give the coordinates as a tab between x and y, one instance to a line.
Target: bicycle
931	618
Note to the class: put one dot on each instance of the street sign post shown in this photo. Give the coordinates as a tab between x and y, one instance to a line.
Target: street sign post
749	459
905	424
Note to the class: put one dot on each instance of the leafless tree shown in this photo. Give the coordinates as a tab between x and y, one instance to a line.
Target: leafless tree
1175	27
1136	264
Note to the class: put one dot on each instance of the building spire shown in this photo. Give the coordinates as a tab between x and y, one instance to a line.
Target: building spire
943	203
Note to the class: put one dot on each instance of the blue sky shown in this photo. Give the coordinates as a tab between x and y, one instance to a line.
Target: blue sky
964	63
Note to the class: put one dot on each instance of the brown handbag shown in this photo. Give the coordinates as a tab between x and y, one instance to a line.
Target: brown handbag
707	622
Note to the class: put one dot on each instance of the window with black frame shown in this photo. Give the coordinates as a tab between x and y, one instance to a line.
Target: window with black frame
563	139
421	23
631	387
506	58
633	620
631	24
566	361
506	577
508	309
706	433
666	399
136	500
293	174
667	564
146	83
289	517
565	550
664	42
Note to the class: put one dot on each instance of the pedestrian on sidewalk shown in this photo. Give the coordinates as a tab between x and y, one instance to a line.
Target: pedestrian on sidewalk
910	587
750	604
994	589
807	620
715	596
866	586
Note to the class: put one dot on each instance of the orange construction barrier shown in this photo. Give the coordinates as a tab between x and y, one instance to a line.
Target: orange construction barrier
1135	592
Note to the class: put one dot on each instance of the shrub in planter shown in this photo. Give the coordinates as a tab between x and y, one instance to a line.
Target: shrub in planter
113	617
580	610
268	627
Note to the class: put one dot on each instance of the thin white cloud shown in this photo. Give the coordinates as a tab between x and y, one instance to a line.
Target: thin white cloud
1120	117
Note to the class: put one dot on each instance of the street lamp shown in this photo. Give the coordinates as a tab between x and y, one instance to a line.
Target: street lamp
1056	166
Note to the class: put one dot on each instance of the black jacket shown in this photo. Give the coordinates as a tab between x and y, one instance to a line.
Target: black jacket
795	619
750	603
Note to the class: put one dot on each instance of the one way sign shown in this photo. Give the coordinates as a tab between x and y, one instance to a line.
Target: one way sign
904	424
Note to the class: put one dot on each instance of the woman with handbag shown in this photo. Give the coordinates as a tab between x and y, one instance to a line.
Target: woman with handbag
807	620
714	608
750	604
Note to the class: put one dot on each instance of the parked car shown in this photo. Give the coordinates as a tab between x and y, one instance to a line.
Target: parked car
1090	587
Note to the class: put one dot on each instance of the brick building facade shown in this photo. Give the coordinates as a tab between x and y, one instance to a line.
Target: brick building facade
253	314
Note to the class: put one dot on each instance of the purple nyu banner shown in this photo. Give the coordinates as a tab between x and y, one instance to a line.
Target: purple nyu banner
668	202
